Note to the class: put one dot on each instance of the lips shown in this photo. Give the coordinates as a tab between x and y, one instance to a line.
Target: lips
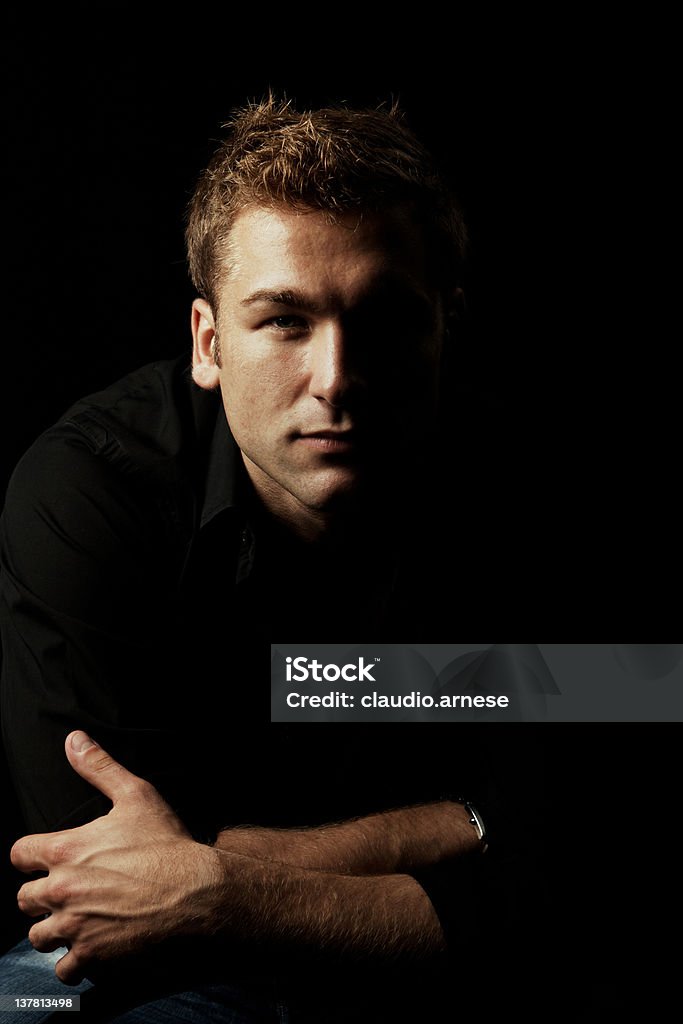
330	440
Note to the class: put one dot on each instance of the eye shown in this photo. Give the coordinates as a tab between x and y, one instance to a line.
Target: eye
288	323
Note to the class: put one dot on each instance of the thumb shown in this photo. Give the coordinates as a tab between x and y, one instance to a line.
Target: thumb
98	768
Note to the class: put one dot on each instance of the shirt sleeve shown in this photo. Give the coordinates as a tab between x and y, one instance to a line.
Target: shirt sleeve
80	612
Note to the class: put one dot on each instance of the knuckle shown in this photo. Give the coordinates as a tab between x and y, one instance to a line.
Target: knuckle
30	898
100	761
60	851
73	923
139	785
67	973
37	938
137	789
85	952
58	890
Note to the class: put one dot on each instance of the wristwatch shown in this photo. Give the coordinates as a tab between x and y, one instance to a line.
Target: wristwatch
478	822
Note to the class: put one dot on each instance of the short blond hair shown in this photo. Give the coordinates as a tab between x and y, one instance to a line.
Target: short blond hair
333	159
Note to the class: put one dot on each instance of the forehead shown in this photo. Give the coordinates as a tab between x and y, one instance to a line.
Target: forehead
276	248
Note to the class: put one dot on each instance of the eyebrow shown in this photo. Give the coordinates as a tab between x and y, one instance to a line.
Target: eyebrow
286	297
294	299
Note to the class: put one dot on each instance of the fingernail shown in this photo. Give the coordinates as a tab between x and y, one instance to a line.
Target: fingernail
80	741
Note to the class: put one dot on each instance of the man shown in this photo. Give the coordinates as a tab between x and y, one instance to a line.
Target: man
153	537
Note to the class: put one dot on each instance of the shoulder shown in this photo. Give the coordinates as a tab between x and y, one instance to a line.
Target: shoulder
146	430
112	486
153	414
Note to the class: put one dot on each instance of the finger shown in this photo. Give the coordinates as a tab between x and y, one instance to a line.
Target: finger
98	768
32	899
45	936
71	968
42	852
31	853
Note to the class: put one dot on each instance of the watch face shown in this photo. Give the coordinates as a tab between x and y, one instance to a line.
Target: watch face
648	661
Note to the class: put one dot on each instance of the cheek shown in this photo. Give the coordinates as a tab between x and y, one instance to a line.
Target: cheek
257	388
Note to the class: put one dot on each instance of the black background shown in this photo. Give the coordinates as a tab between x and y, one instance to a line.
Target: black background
564	378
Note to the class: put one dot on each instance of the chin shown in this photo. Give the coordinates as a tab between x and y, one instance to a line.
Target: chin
341	493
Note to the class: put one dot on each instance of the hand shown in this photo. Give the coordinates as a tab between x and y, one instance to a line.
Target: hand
120	883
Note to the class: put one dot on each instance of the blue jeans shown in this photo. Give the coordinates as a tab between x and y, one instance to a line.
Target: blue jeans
25	972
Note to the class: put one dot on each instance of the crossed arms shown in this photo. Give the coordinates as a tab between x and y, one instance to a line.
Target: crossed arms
135	877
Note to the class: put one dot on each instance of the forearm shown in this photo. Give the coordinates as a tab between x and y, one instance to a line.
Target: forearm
396	841
302	912
135	877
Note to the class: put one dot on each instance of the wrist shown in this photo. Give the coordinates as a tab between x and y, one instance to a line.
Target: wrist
201	900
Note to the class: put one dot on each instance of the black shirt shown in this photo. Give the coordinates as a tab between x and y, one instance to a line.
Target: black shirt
135	605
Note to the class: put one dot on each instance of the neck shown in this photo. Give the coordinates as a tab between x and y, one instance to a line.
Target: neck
325	535
339	571
327	527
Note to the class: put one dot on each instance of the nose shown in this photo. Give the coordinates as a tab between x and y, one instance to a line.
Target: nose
334	376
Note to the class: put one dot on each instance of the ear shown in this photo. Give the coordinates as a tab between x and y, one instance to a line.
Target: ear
205	370
457	305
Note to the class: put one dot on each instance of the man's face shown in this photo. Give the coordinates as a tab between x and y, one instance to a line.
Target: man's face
330	341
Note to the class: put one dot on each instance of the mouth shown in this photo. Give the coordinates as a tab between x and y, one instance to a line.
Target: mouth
331	441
